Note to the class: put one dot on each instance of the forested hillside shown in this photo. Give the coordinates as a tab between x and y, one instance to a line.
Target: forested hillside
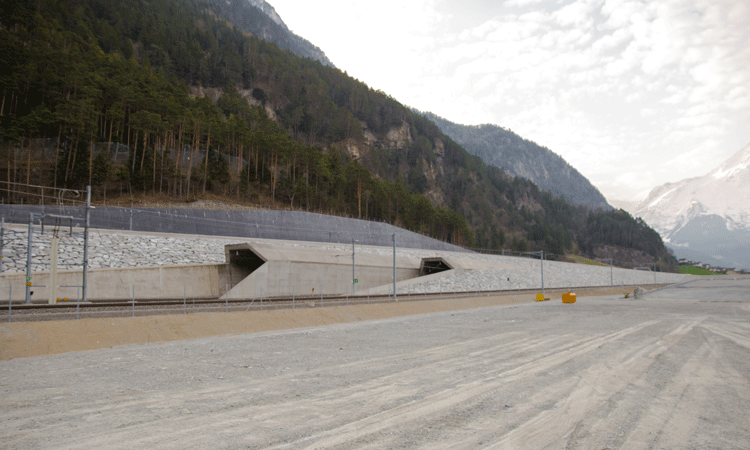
129	96
523	158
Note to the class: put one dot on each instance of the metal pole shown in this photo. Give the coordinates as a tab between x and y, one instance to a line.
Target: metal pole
184	299
28	258
293	296
132	298
78	304
611	274
394	267
2	232
10	301
354	290
226	298
84	296
542	253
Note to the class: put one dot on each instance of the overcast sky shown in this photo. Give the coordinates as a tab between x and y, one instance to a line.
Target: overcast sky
631	93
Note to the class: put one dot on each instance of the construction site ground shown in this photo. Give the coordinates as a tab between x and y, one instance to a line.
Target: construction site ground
667	370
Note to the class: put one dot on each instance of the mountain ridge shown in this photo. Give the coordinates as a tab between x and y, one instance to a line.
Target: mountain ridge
261	19
708	216
333	144
523	158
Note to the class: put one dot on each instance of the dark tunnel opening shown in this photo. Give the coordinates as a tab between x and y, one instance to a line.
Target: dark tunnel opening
433	265
245	261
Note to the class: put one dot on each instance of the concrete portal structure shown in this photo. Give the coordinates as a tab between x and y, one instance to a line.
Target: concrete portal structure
274	270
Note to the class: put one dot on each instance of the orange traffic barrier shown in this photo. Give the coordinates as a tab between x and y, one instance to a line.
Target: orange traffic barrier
569	297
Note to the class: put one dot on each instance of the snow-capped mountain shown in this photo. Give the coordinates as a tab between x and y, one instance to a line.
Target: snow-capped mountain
706	218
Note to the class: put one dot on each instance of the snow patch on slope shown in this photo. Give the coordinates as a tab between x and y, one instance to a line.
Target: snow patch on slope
712	208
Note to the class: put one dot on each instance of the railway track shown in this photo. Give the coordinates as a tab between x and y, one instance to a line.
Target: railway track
24	312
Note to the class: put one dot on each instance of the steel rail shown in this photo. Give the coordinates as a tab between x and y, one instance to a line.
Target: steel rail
170	306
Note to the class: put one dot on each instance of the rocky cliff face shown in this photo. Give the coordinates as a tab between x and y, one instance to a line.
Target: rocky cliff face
260	19
522	158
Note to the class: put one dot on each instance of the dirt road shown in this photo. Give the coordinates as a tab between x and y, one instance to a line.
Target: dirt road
667	371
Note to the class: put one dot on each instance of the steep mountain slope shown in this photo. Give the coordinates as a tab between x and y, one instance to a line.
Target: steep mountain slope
517	156
706	218
260	19
99	93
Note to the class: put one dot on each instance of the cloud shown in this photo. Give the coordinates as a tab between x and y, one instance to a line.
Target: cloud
614	86
578	14
522	2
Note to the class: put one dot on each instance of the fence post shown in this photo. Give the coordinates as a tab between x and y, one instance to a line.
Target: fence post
10	301
394	267
293	297
2	232
28	257
184	299
132	299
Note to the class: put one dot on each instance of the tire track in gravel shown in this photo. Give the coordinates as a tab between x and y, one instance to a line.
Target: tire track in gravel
697	379
415	410
309	410
375	392
734	332
596	386
372	395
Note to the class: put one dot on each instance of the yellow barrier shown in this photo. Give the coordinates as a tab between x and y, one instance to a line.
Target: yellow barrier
569	297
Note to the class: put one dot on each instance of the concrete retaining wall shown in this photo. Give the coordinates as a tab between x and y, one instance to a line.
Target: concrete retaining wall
198	281
283	278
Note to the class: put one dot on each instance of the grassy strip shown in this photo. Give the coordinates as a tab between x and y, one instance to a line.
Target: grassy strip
692	270
582	260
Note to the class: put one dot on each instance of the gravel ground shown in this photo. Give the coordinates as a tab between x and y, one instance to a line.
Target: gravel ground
668	371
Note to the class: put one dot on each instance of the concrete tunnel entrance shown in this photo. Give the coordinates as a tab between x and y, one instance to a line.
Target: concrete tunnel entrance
430	266
243	262
281	270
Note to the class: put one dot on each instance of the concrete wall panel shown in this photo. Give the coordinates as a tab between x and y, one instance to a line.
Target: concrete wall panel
282	278
199	281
